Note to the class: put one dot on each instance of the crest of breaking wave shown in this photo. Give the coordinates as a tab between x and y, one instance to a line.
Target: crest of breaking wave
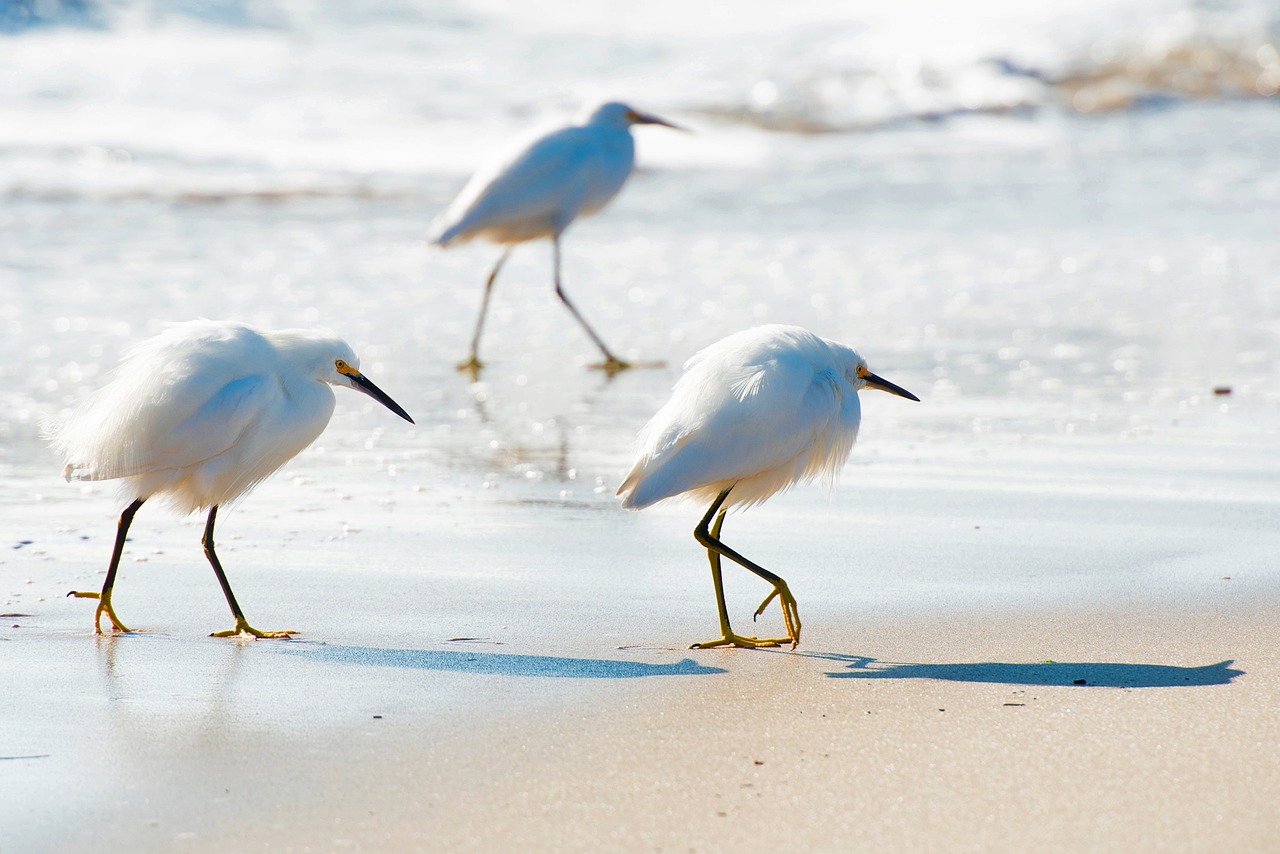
207	100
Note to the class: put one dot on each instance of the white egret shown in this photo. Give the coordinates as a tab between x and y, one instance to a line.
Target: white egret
200	414
537	190
752	415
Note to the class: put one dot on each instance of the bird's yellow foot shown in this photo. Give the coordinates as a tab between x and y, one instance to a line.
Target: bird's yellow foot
104	607
612	366
731	639
471	367
243	628
790	611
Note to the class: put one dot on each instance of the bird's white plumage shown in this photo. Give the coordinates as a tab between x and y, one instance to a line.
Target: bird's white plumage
204	411
541	186
758	411
751	416
537	191
199	415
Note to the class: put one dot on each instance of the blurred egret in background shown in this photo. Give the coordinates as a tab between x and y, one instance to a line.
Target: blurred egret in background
200	414
538	190
752	415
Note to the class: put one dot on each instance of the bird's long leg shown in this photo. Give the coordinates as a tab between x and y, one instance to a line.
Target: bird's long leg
104	598
713	557
611	364
710	538
472	364
242	625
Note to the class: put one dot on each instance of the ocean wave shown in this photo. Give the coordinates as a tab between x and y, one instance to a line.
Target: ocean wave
297	15
831	97
272	101
19	15
1204	70
209	196
62	173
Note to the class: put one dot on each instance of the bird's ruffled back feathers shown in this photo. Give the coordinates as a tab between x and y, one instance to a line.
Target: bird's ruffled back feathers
767	411
523	195
149	417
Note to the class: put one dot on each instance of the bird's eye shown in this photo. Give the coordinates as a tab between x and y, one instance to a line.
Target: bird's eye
862	371
339	364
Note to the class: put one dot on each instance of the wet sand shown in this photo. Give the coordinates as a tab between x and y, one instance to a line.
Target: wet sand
986	665
933	735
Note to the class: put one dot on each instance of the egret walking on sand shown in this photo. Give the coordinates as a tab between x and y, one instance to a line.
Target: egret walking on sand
752	415
200	414
538	190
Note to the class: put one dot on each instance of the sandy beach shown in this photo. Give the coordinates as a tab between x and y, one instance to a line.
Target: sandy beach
987	669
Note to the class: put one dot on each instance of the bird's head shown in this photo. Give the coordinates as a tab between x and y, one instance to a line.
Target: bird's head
346	371
618	115
860	377
320	356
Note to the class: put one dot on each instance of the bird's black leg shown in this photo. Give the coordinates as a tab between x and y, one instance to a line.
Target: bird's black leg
104	598
710	539
472	364
242	625
612	364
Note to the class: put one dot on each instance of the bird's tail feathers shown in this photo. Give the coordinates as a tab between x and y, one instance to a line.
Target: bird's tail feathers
656	476
445	231
627	490
74	471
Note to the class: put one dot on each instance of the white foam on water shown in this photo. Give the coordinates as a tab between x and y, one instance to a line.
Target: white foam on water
313	98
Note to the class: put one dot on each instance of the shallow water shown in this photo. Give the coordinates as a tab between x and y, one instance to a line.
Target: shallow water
1064	288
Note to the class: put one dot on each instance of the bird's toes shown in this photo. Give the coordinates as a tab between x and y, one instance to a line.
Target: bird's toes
614	366
611	366
243	628
740	641
471	367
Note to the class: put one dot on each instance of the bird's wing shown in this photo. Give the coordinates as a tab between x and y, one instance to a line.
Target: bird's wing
767	417
176	400
215	426
545	180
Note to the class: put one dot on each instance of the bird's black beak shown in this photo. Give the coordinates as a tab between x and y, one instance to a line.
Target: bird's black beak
874	381
639	118
361	383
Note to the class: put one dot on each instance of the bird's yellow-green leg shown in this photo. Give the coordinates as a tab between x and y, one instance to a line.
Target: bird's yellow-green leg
473	365
727	635
242	625
104	598
710	539
790	611
104	607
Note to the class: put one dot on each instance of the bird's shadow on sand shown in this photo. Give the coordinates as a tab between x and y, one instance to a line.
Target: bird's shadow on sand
1077	674
496	663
